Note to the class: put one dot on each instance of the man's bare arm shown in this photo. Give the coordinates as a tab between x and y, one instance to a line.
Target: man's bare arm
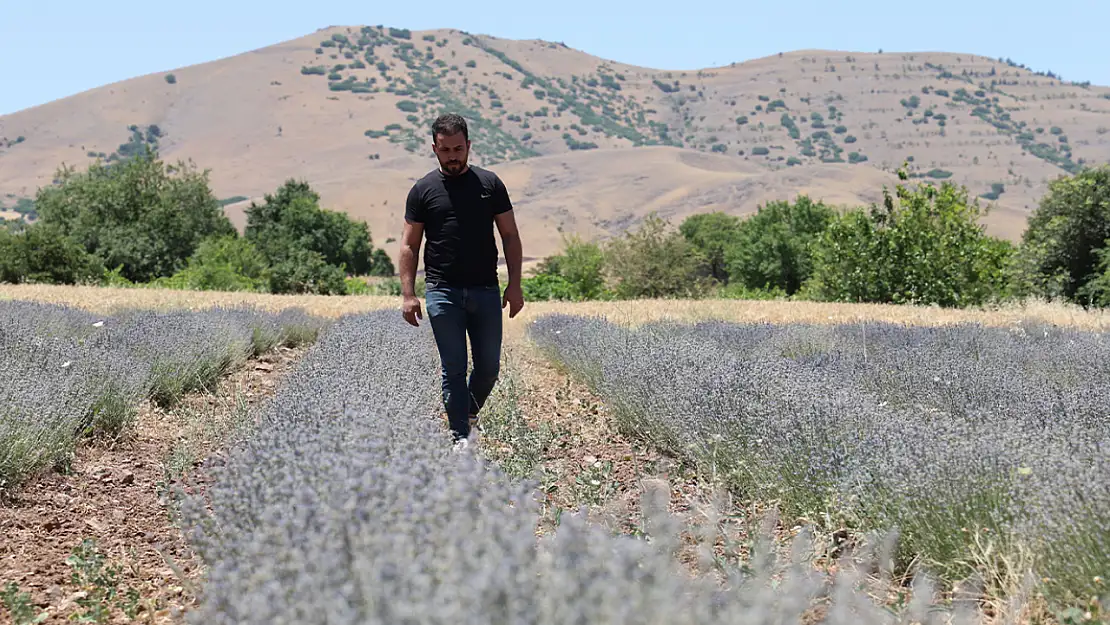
410	251
410	248
510	240
514	254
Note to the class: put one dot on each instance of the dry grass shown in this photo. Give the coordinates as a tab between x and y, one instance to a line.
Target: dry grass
105	300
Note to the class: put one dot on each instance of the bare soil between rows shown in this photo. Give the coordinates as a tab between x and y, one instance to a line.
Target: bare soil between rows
118	497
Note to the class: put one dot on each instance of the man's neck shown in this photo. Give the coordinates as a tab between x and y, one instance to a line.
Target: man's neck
465	169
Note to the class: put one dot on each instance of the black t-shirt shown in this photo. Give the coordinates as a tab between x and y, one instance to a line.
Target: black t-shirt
457	213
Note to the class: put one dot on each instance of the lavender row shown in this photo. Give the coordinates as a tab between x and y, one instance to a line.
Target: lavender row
347	505
955	437
68	373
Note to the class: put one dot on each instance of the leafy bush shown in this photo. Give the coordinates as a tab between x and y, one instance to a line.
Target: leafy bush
652	262
306	246
575	273
171	79
137	214
42	253
1067	230
408	106
774	248
226	263
760	151
712	235
922	246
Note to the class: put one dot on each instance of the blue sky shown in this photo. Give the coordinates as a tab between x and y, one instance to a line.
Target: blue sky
50	50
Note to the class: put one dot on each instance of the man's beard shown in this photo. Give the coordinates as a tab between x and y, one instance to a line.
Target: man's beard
453	167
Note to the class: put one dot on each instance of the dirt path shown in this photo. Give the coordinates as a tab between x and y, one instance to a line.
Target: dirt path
108	517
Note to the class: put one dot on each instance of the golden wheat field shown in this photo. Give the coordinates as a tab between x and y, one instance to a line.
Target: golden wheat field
630	312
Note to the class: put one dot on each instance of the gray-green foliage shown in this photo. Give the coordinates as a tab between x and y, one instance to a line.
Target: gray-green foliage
976	444
70	373
348	506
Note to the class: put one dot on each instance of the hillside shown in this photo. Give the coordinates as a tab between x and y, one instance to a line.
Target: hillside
586	145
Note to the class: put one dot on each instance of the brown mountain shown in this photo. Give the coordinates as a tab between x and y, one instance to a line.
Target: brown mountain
586	145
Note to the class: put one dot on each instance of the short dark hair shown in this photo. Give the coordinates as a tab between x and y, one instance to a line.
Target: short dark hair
449	124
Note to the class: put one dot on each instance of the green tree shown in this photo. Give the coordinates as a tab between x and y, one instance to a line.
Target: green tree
922	246
41	253
291	220
1096	292
138	214
713	234
773	248
655	262
580	266
1061	247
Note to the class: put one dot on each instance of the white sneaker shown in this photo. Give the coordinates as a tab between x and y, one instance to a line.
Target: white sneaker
461	446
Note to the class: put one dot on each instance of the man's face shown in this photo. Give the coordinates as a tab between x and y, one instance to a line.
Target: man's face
452	152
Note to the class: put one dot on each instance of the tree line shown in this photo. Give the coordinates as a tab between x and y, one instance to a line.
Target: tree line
141	221
923	244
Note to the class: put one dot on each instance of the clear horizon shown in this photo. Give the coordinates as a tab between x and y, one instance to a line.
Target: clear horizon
75	46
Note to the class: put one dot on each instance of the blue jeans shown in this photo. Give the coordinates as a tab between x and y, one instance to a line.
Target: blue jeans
454	313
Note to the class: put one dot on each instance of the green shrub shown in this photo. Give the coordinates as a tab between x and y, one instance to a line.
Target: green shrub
922	246
574	274
171	79
42	253
225	263
1065	236
408	106
650	262
137	213
760	151
291	220
712	235
773	249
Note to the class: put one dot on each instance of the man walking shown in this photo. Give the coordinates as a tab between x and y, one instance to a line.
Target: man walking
456	207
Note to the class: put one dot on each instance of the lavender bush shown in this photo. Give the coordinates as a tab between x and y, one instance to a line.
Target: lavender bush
956	437
347	505
68	373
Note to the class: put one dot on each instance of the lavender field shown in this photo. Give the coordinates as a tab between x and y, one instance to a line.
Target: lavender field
67	374
348	506
986	449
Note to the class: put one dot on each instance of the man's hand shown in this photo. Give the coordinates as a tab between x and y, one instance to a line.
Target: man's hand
514	298
410	309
